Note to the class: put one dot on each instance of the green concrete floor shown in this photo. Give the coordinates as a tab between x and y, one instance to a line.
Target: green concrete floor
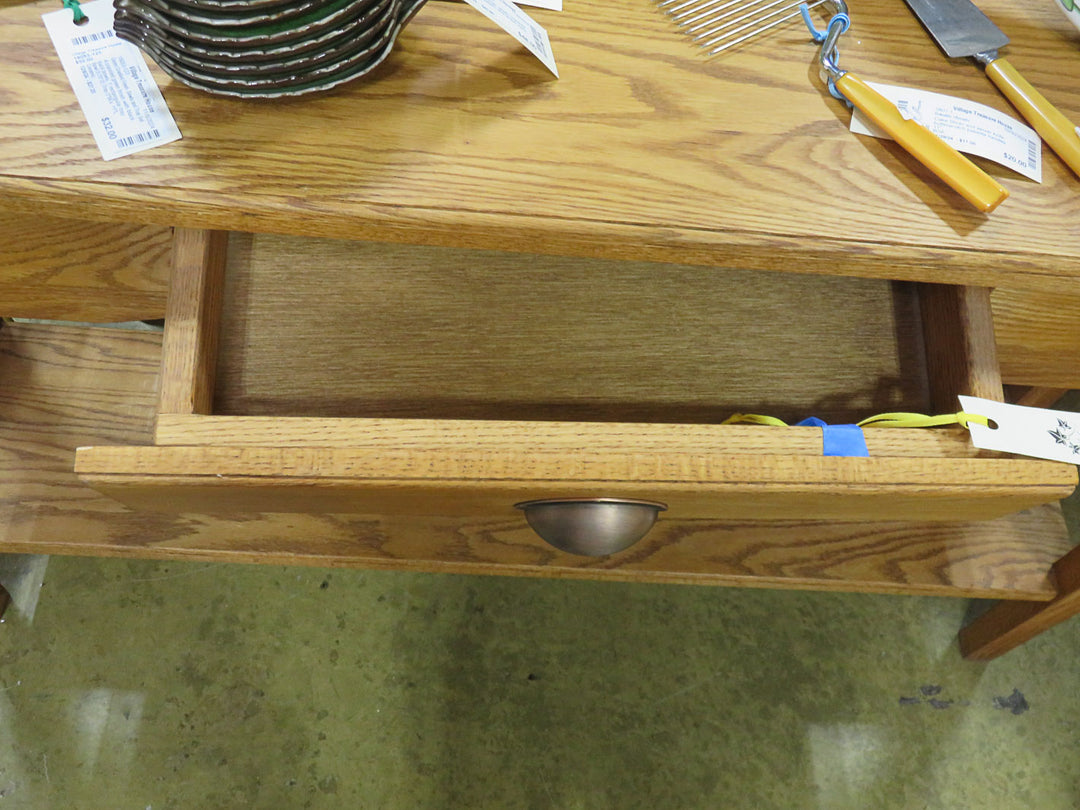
192	685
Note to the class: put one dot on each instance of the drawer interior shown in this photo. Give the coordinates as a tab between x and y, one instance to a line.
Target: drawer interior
263	407
324	328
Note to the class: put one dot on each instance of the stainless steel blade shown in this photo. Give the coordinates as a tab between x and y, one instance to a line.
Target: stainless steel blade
958	27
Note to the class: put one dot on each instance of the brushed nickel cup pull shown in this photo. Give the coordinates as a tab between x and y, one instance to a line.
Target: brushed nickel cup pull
592	527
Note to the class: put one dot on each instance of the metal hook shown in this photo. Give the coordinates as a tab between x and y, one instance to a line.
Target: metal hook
829	55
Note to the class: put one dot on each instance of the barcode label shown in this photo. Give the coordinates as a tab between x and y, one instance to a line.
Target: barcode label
142	137
97	36
116	91
1033	154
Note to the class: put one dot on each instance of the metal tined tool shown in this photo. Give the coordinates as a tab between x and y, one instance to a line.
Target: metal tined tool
960	29
717	25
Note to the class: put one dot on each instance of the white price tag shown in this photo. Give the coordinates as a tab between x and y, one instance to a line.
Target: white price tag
520	26
120	99
550	5
965	126
1037	432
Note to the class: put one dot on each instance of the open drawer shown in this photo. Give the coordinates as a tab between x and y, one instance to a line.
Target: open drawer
330	377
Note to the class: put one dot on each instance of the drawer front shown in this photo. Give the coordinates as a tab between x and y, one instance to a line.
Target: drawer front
432	481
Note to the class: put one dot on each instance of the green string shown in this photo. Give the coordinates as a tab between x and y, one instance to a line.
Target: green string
77	15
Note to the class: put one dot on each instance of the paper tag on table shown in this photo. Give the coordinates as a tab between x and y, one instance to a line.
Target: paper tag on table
550	5
520	26
965	125
120	99
1036	432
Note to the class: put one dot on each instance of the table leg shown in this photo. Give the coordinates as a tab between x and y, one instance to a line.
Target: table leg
1009	624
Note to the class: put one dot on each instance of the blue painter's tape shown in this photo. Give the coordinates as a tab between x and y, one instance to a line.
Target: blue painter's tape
843	440
838	440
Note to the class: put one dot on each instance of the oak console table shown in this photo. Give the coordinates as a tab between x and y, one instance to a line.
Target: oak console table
395	310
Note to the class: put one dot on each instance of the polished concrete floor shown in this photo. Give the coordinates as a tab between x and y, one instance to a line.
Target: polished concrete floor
188	685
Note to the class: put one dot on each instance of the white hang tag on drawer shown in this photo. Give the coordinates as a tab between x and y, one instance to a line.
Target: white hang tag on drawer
120	99
521	27
964	125
1036	432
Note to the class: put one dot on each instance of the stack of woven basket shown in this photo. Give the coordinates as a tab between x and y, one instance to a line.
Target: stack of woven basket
264	48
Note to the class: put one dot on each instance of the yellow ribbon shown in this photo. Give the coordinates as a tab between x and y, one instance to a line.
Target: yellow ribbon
753	419
918	420
882	420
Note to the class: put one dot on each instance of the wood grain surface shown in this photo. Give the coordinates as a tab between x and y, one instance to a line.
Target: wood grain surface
64	269
72	386
1034	396
1038	338
1007	625
961	355
192	319
479	435
409	481
317	327
641	150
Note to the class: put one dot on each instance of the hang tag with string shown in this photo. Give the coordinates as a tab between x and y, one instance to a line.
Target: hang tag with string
1036	432
118	95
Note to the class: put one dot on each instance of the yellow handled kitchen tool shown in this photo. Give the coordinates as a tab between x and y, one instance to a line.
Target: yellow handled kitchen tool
717	25
958	172
963	176
961	29
1059	132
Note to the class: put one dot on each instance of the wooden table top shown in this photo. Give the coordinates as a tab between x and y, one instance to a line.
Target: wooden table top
642	149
